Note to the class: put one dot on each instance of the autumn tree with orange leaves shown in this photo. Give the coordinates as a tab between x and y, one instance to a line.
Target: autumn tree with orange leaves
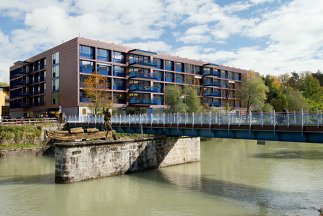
94	88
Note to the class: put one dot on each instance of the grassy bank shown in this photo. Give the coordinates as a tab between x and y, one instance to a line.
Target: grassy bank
20	136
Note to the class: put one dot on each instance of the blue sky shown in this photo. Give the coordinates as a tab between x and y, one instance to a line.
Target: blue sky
268	36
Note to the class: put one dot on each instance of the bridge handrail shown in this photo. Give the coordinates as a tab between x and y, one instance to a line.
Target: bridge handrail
218	118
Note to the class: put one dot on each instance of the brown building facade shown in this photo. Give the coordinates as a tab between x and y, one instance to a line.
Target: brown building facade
52	81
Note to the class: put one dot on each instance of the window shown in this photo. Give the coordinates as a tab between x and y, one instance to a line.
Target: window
158	63
103	55
86	52
55	58
188	68
169	65
118	57
103	69
86	66
118	71
179	67
198	70
55	71
55	85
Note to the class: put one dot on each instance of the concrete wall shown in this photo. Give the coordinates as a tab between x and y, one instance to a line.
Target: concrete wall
80	161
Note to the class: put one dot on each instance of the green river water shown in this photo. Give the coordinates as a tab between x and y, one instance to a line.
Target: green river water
234	177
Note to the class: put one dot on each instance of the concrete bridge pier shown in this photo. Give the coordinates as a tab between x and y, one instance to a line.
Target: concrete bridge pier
79	161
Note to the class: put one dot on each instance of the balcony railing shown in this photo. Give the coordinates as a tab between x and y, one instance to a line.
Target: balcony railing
210	83
212	94
119	87
143	75
143	88
169	79
211	73
119	74
144	101
142	63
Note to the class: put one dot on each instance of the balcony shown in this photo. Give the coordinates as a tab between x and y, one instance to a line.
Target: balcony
169	79
20	83
212	94
18	105
215	104
119	73
119	87
210	83
142	64
211	73
138	101
142	75
143	88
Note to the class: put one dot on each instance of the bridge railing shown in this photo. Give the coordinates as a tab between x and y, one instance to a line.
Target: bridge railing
218	118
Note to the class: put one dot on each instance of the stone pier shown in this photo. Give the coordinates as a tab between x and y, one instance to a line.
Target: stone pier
79	161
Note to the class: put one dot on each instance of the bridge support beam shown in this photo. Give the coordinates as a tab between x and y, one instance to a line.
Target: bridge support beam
79	161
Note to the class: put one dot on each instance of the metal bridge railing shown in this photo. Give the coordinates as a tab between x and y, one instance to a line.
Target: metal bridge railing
218	118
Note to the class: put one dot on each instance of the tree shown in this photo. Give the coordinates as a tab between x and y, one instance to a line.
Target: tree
94	88
252	92
182	100
311	87
4	84
174	99
319	75
295	100
192	100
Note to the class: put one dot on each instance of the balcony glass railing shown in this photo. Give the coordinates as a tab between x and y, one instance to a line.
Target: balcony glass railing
144	101
144	63
143	88
210	83
169	79
211	73
119	87
144	75
212	94
120	74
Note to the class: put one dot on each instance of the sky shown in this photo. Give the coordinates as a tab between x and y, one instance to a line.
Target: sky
267	36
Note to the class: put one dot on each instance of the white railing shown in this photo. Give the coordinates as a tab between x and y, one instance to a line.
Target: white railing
219	118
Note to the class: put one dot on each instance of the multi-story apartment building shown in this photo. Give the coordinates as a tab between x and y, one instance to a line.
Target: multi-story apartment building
52	80
4	101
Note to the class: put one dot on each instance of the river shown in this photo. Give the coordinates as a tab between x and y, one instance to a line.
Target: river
234	177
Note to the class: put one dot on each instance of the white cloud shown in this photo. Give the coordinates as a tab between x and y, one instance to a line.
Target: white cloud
155	46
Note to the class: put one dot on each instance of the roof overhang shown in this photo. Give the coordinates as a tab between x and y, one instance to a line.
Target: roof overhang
142	52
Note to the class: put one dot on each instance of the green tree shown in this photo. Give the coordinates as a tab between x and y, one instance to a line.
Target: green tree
311	87
319	75
94	88
4	84
252	92
295	100
182	100
174	99
192	99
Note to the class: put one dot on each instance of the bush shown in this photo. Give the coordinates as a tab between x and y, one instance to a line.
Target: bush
19	134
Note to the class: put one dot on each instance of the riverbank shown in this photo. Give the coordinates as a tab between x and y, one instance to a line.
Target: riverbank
14	152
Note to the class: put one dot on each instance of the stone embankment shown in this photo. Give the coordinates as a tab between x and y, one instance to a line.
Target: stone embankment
78	161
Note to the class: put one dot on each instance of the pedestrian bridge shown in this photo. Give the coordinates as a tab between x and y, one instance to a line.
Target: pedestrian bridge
291	127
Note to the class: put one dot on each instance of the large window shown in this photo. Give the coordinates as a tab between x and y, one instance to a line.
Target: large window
103	55
86	66
198	69
158	63
118	57
189	68
104	69
55	85
169	65
179	67
55	58
86	52
118	71
55	71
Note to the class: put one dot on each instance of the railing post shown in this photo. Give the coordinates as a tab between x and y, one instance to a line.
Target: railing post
220	118
185	120
262	118
229	122
302	122
164	120
201	118
210	121
287	118
274	121
239	118
250	121
192	120
177	120
318	118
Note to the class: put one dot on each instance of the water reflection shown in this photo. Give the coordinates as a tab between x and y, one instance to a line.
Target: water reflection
234	177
